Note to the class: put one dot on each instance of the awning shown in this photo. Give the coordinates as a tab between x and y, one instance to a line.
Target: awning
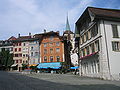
14	65
74	67
33	65
55	65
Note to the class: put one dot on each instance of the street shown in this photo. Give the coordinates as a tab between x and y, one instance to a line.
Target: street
44	81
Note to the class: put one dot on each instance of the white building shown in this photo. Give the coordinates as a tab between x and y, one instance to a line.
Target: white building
99	43
34	52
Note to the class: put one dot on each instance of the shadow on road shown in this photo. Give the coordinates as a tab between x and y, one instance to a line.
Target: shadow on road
14	81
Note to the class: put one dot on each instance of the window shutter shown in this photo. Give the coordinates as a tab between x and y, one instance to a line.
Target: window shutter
115	31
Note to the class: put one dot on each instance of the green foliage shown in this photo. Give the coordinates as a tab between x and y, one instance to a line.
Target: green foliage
33	67
6	58
65	67
24	66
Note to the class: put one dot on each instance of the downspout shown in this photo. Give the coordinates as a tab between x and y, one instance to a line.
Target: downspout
107	50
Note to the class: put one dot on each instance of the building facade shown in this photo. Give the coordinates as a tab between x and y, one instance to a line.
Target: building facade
52	48
70	41
99	43
21	51
17	54
34	52
7	44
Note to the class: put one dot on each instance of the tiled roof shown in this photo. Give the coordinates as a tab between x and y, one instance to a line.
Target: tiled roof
23	37
100	13
105	12
12	38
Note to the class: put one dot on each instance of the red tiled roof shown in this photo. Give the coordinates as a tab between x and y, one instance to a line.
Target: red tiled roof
12	38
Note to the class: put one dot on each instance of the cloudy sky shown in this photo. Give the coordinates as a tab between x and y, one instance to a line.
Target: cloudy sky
24	16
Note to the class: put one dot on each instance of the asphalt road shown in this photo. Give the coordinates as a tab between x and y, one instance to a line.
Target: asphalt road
15	81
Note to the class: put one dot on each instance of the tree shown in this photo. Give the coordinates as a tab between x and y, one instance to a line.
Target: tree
24	66
6	58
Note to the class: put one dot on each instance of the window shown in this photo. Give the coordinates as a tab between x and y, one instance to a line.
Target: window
45	44
96	46
81	40
87	50
16	44
92	48
94	31
51	44
23	61
36	42
58	58
92	66
23	55
115	31
19	55
15	49
51	50
31	53
116	46
98	66
57	50
36	53
23	44
83	52
45	51
85	37
45	58
19	44
51	58
16	61
20	61
51	37
31	48
16	55
57	43
89	34
19	49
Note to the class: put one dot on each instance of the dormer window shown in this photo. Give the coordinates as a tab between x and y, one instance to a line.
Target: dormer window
51	37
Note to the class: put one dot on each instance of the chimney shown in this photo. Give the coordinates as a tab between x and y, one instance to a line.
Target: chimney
29	34
18	35
44	30
58	32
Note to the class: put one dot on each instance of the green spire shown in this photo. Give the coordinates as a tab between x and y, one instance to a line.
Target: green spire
67	25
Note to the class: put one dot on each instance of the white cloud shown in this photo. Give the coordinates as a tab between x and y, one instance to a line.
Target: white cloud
24	16
75	12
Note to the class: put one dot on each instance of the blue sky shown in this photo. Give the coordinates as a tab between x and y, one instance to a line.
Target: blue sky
24	16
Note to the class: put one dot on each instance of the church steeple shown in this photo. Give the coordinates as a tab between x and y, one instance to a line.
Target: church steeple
67	25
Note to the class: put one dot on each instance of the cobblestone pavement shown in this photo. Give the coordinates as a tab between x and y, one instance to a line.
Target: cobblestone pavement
17	81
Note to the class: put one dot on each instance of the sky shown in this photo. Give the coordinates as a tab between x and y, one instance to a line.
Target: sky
24	16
